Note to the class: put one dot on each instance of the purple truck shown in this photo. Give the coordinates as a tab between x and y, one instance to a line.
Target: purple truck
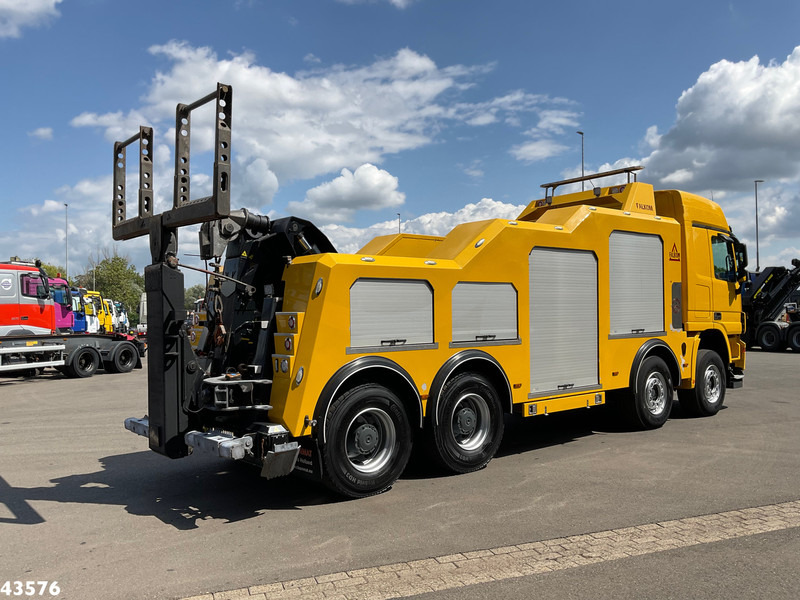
62	298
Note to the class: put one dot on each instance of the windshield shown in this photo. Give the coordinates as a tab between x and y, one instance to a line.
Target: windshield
61	294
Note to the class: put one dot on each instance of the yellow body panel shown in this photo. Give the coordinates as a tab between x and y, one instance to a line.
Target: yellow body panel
318	289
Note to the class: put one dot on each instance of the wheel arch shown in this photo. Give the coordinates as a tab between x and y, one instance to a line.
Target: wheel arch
663	351
714	339
470	360
368	369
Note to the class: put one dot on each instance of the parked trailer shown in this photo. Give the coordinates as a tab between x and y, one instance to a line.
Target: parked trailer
29	337
329	364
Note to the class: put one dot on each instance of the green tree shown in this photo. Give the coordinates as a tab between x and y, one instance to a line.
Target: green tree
114	277
192	294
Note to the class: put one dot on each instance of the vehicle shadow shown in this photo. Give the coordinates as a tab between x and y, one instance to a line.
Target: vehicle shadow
179	493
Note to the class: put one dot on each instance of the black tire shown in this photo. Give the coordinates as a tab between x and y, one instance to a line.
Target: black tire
768	337
648	405
793	337
84	362
123	360
368	441
708	394
470	424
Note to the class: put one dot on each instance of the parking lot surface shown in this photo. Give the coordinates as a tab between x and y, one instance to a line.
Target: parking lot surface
573	506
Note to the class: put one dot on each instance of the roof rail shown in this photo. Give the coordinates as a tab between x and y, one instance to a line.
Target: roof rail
629	170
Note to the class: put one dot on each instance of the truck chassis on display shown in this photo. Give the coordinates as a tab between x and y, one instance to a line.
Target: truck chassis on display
30	339
329	364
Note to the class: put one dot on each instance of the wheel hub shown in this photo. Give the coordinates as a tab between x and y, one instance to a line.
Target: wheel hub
366	438
466	420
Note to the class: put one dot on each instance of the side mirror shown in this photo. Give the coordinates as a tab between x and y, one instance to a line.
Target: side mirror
42	293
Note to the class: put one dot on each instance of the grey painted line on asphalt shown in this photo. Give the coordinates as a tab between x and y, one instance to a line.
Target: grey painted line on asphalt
468	568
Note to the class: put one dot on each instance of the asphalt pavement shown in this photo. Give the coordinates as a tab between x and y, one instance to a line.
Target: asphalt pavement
83	502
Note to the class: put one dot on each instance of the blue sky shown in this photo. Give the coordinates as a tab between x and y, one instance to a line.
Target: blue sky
349	112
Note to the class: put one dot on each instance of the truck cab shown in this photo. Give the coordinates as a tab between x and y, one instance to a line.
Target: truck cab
62	300
26	306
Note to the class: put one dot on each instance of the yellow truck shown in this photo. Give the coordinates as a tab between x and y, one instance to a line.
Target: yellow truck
330	364
101	310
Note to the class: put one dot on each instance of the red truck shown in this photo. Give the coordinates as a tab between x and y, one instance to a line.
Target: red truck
32	337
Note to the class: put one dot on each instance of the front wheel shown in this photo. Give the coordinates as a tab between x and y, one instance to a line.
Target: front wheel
468	427
708	394
368	441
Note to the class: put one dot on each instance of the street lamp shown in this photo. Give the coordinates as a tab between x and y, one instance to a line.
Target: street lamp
398	223
66	242
580	133
758	264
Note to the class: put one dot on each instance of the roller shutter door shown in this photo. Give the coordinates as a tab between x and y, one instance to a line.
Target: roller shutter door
563	320
484	312
636	286
390	313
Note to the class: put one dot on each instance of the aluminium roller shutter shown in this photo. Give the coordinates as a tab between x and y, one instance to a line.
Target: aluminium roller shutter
484	312
390	312
563	320
636	283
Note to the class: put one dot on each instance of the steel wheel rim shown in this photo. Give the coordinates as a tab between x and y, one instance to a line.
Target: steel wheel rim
365	453
769	337
712	384
470	422
125	357
655	391
85	361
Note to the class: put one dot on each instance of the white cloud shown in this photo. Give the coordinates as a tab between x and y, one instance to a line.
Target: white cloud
740	121
336	201
42	133
316	122
396	3
18	14
351	239
554	121
537	150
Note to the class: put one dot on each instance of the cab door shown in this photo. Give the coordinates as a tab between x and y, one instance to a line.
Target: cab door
9	302
727	305
36	310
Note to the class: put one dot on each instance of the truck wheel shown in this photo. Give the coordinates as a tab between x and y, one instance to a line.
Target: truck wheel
470	426
368	441
769	337
123	359
84	362
793	337
708	394
648	405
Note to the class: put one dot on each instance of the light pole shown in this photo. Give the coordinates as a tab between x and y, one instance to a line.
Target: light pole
66	242
758	264
398	223
580	133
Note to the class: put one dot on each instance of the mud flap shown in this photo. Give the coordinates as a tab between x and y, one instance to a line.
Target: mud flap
309	460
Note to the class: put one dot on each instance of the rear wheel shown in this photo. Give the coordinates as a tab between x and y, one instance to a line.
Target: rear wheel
793	337
769	337
649	403
368	441
708	394
84	362
468	427
123	359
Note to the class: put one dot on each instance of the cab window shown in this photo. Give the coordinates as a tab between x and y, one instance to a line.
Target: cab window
724	263
32	286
